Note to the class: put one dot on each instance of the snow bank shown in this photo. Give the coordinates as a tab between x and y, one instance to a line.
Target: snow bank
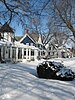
20	82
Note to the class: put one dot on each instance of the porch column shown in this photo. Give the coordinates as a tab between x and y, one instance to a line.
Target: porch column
35	54
1	53
6	53
16	54
11	53
26	53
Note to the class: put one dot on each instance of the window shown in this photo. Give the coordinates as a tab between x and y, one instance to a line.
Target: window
3	52
24	52
39	53
8	52
31	44
40	45
28	52
43	53
13	52
27	43
19	53
43	47
48	53
49	48
32	52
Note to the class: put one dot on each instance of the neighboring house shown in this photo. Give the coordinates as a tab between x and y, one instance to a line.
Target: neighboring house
58	52
64	52
52	50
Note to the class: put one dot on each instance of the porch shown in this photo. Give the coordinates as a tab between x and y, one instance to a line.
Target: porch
22	52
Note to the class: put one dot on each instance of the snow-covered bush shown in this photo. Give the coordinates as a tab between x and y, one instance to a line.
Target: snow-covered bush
54	70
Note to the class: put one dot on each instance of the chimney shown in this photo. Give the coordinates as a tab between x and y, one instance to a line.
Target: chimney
27	31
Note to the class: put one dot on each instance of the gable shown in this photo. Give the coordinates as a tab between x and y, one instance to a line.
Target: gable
27	40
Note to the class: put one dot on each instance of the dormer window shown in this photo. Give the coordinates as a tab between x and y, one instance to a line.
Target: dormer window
27	43
31	44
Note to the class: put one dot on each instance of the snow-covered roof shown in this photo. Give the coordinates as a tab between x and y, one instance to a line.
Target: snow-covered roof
25	37
2	43
5	43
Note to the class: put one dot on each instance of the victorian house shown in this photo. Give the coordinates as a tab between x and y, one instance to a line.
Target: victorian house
30	46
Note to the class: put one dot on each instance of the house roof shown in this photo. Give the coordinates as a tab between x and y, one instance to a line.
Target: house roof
27	34
36	37
33	36
6	28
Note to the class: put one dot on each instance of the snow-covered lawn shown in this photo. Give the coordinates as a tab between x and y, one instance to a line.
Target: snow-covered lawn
20	82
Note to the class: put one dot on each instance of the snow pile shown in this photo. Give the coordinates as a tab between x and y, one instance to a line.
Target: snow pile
54	70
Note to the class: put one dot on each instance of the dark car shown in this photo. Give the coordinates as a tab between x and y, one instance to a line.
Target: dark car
54	70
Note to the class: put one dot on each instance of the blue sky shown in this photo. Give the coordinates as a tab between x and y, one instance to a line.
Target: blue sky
18	30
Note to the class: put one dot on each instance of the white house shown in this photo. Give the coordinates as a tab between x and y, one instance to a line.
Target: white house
28	48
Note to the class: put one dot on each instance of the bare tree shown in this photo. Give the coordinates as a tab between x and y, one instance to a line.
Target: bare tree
64	9
14	10
61	10
36	23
